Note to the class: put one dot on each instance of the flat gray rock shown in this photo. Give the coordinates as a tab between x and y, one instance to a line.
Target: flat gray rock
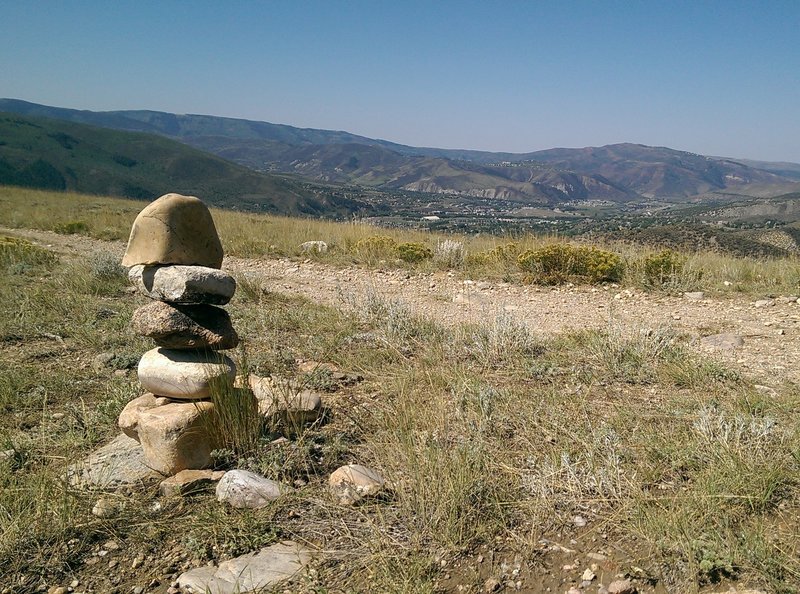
119	463
175	326
722	341
248	573
183	284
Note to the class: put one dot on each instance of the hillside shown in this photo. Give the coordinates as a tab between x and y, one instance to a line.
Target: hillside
620	173
44	153
657	172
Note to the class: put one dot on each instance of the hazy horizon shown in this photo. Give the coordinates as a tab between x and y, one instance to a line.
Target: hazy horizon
715	78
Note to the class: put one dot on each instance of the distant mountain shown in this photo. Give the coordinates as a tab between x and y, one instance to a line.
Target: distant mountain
657	172
620	173
47	153
782	168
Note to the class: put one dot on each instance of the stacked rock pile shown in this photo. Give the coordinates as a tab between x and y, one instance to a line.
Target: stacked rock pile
175	257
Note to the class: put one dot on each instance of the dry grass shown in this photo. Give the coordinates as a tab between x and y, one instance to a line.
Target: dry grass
484	256
488	434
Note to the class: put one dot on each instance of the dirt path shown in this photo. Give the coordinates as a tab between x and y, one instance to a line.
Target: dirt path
771	333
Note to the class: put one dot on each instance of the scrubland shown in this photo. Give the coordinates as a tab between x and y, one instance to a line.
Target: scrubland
495	439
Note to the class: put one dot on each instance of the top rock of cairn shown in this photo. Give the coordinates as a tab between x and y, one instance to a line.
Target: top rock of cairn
174	229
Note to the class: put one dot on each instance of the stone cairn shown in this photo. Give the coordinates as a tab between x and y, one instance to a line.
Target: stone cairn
175	257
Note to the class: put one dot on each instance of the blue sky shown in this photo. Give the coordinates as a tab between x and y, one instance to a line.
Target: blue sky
719	78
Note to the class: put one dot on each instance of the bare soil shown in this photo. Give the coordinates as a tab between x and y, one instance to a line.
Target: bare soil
771	334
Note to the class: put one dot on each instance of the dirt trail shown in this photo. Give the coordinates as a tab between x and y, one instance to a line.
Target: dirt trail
771	333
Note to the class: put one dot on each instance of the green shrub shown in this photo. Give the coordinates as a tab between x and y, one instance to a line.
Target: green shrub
72	228
663	268
376	247
413	252
560	262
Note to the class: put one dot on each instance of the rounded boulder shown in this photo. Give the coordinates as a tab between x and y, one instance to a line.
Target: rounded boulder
174	229
183	375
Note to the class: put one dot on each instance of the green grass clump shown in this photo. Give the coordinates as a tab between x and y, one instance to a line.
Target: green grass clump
72	228
663	268
560	262
413	252
19	255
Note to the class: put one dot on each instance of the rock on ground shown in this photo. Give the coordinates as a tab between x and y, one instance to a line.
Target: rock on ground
119	463
244	489
183	284
352	482
621	587
254	571
189	481
284	402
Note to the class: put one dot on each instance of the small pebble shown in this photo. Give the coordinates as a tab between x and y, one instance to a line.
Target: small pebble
105	508
137	561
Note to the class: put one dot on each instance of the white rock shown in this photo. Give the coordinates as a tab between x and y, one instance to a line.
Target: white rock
764	303
694	295
254	571
185	375
105	508
241	488
352	482
314	246
284	401
183	284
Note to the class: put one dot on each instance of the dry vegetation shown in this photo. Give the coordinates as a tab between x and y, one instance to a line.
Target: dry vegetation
492	436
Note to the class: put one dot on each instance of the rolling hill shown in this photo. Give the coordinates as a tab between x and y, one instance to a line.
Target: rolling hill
618	173
46	153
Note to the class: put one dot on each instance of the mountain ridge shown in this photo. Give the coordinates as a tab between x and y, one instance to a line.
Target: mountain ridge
620	172
60	155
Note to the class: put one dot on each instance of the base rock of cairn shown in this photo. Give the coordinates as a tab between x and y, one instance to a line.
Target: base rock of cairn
175	255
